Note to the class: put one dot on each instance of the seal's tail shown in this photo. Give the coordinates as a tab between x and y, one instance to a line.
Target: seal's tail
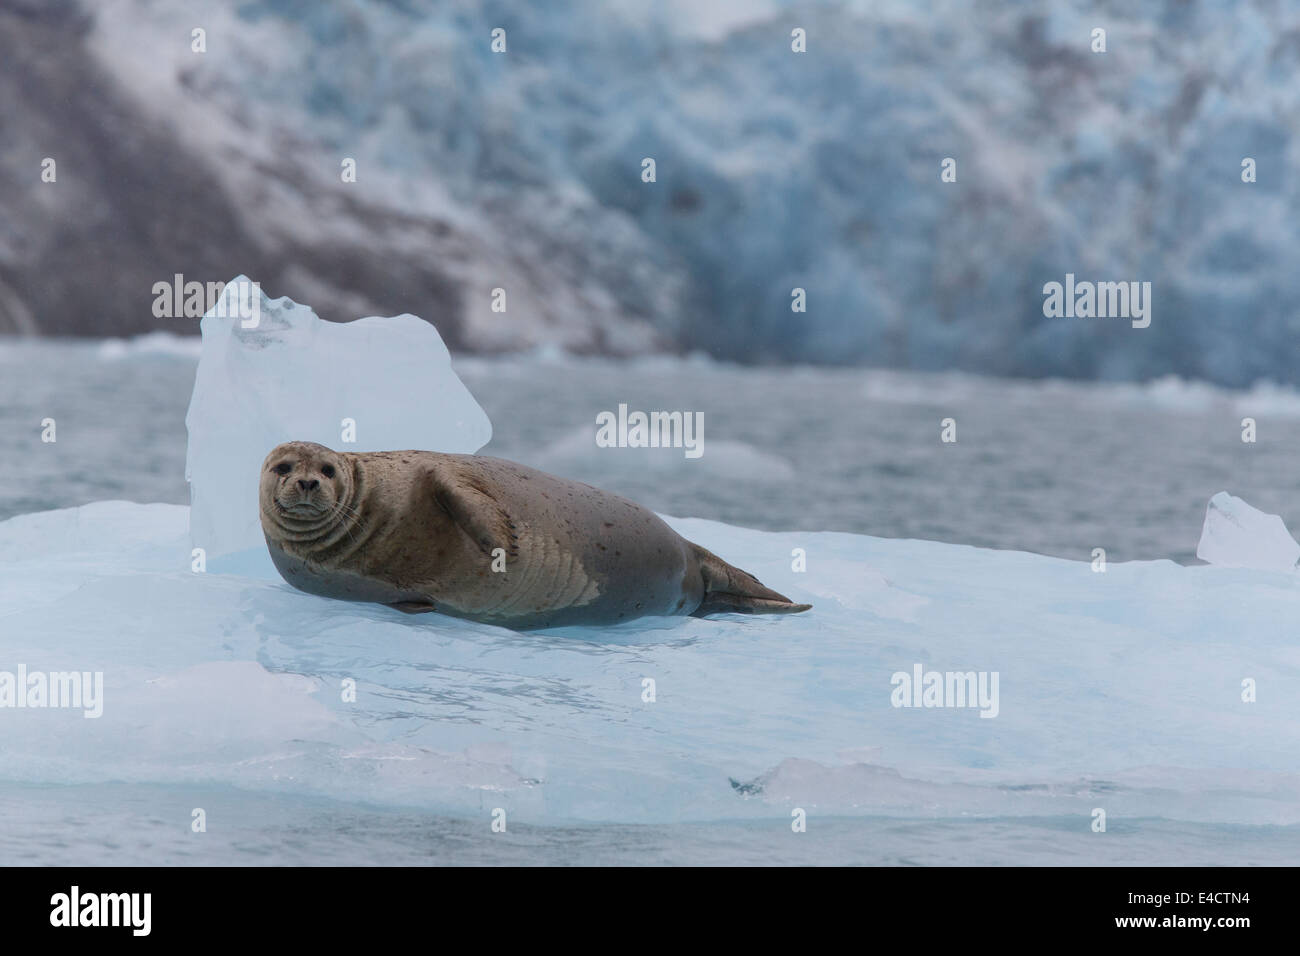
729	590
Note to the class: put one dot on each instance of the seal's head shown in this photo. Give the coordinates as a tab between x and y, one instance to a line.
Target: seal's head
303	484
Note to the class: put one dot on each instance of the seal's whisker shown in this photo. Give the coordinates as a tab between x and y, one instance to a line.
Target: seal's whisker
347	510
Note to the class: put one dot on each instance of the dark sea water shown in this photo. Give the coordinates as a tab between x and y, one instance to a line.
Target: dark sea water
1052	467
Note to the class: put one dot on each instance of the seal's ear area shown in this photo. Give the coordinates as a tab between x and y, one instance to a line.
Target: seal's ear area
281	450
470	503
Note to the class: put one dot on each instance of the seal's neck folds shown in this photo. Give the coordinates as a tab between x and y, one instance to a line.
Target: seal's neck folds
338	528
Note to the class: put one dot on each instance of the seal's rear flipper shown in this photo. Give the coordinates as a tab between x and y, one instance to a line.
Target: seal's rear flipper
729	590
723	603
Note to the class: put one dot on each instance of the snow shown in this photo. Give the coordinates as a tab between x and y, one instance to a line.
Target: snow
294	377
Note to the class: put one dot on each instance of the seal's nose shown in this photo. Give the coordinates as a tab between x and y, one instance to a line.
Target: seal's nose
306	485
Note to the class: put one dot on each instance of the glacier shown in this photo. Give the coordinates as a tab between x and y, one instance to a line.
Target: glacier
776	170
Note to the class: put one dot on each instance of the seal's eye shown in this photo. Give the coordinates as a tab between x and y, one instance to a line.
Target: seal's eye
327	471
283	468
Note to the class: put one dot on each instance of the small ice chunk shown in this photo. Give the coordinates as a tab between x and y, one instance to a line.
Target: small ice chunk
1236	535
292	376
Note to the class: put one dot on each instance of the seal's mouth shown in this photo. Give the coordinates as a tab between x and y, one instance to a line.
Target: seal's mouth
301	509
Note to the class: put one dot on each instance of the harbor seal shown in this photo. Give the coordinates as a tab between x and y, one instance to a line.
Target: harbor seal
485	539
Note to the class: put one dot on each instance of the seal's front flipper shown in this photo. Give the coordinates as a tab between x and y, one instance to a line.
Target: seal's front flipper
469	502
729	590
413	607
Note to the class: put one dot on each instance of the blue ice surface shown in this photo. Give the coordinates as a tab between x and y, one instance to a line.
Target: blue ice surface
1119	690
